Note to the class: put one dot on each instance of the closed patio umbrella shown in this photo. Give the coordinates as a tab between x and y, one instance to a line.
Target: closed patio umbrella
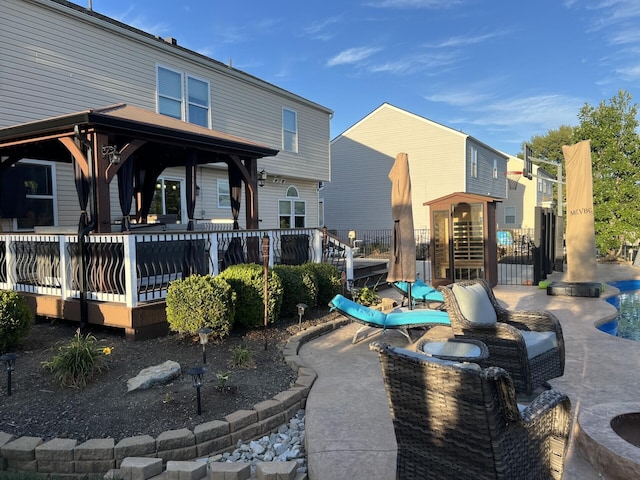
402	261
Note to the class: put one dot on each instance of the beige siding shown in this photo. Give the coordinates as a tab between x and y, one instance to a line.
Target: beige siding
57	60
360	191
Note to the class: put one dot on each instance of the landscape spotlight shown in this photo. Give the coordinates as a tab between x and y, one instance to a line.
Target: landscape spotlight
301	308
196	379
9	360
204	339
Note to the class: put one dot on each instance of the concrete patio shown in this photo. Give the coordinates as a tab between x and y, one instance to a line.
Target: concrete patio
348	425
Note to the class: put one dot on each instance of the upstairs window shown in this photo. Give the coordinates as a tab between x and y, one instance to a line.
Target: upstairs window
198	102
289	130
473	173
169	93
495	168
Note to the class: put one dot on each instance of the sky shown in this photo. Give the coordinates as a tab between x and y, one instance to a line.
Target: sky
501	71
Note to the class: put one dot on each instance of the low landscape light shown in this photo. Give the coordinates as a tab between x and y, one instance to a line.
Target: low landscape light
203	333
196	379
301	308
9	360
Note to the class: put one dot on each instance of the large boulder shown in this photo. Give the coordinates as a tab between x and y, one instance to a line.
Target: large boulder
156	375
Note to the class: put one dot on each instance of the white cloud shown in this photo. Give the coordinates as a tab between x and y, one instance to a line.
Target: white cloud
351	56
464	40
319	30
631	73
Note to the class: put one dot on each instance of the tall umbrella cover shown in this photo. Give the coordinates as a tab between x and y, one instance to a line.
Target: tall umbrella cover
402	262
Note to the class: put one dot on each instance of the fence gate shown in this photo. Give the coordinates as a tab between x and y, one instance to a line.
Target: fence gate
544	244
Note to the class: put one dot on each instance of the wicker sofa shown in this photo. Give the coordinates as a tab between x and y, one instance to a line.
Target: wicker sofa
508	337
458	421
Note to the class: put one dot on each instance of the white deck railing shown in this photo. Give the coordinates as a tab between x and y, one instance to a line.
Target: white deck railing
137	267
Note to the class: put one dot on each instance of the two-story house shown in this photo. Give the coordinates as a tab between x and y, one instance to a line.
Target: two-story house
442	160
58	58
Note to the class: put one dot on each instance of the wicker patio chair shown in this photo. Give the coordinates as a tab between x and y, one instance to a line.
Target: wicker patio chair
531	358
458	421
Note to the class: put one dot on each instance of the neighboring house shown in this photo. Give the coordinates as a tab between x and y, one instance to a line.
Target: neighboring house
58	58
442	161
517	211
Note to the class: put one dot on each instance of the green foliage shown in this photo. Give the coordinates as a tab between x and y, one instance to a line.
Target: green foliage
615	155
76	363
367	296
201	301
299	285
242	357
247	281
327	279
15	319
223	378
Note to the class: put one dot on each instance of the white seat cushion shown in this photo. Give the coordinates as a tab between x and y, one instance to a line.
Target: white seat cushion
538	342
475	304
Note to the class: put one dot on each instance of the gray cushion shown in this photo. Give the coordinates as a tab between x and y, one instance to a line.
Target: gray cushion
538	342
475	304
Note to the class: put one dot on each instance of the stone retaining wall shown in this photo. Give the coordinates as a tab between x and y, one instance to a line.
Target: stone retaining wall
99	456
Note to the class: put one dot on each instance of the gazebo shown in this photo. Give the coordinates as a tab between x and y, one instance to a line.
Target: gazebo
125	272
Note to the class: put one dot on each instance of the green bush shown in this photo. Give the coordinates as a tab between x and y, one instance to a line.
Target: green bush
247	281
77	362
15	319
328	281
299	286
201	301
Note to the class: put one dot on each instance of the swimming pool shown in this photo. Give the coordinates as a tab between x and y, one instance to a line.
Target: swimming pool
627	323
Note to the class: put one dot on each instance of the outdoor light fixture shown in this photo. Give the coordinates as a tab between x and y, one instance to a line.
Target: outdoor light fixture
197	190
301	308
196	378
9	360
111	152
204	339
262	178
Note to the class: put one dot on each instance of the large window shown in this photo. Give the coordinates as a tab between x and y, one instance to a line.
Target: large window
171	97
38	180
289	130
169	93
198	102
292	211
224	194
167	199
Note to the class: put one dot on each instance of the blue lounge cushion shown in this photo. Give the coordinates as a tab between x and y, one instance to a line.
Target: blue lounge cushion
416	317
353	309
420	291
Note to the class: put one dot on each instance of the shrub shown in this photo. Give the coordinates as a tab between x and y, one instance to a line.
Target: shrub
328	281
200	301
247	281
77	362
299	285
366	296
15	319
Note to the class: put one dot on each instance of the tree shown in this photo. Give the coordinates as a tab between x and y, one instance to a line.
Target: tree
615	154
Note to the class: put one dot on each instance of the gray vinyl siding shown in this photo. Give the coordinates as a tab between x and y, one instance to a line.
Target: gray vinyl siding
485	184
56	60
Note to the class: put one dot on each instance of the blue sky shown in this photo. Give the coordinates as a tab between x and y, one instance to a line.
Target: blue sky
499	70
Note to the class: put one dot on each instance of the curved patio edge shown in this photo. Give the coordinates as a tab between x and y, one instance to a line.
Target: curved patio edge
63	456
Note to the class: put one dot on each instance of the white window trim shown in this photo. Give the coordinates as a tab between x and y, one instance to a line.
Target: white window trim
182	90
474	163
186	97
53	196
183	196
292	200
495	168
295	146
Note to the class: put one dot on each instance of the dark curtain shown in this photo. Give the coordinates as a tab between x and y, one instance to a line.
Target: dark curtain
190	167
13	193
83	190
145	183
235	186
125	192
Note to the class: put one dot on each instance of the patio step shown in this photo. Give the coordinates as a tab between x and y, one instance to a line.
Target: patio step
370	273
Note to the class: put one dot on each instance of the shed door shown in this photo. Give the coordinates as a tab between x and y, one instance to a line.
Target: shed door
468	241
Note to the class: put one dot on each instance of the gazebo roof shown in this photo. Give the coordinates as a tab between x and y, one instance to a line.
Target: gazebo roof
129	122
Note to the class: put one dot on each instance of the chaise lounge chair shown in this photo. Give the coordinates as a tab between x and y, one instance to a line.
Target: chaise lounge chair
401	321
420	292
